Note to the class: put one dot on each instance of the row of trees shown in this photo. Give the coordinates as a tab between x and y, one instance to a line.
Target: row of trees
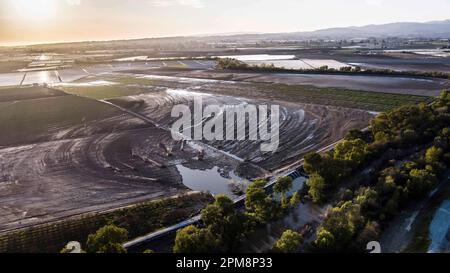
328	171
403	128
359	216
224	228
229	63
350	225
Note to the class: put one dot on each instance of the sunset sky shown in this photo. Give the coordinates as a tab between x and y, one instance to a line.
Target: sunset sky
36	21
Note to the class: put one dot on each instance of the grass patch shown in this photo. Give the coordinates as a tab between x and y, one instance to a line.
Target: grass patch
373	101
139	219
33	120
27	93
127	80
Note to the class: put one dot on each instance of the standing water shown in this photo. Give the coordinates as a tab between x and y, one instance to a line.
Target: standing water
210	180
440	229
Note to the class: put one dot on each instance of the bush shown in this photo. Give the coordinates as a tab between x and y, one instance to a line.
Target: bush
289	242
108	239
195	240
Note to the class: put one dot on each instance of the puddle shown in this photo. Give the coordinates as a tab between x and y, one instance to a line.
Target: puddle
209	180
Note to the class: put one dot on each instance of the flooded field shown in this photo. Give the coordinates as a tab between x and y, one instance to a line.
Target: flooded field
309	122
430	67
301	64
11	79
97	136
396	85
68	154
445	53
259	57
288	64
287	61
381	84
440	229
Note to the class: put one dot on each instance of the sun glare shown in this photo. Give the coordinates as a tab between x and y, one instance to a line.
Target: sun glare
35	10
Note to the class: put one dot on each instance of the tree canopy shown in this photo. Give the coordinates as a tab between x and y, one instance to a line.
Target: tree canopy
289	242
192	239
108	239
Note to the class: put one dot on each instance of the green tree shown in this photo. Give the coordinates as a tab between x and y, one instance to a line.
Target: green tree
295	200
195	240
409	136
368	200
107	239
354	152
255	195
354	134
283	185
317	188
313	163
258	202
326	166
382	137
420	182
223	221
230	63
433	155
325	241
444	99
343	222
289	242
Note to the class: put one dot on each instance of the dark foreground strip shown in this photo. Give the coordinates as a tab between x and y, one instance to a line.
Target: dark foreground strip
223	263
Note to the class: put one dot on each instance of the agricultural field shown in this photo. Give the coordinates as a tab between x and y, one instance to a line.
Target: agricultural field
27	93
419	86
52	237
51	115
57	147
108	87
96	137
374	101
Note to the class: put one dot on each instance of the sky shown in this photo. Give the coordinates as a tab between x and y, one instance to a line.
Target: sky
39	21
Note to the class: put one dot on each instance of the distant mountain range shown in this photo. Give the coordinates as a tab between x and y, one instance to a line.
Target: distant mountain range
434	29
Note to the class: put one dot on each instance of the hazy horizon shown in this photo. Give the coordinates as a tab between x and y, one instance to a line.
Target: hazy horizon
50	21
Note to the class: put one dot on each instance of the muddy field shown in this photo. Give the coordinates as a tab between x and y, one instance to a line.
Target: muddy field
99	136
303	127
62	154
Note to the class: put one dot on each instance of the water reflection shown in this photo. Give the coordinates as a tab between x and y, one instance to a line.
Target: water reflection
210	180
